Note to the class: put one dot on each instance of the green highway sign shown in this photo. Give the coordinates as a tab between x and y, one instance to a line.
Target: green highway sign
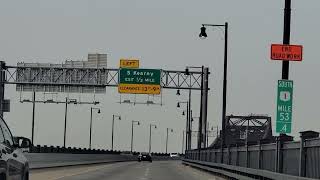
139	76
284	106
139	81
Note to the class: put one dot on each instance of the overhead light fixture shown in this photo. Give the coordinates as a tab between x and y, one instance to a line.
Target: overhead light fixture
203	33
150	102
178	92
126	101
187	71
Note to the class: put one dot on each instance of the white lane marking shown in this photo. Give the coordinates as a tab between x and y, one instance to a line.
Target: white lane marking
75	174
82	172
146	174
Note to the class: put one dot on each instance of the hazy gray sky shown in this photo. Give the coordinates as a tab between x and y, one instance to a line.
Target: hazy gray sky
162	34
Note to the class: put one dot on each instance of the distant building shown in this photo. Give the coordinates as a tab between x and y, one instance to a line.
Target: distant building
93	61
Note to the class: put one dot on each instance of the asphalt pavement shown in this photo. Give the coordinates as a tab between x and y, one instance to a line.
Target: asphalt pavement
157	170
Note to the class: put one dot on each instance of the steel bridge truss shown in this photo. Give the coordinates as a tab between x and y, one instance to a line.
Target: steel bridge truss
65	79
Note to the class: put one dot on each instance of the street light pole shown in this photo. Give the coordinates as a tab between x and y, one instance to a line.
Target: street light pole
187	121
225	70
65	119
33	115
224	106
90	140
132	123
131	136
112	136
65	124
200	138
182	141
90	127
168	139
151	125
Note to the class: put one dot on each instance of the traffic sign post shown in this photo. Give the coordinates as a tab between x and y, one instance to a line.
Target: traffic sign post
284	106
139	81
286	52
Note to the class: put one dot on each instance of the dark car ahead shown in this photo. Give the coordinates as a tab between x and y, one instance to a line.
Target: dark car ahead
13	164
144	157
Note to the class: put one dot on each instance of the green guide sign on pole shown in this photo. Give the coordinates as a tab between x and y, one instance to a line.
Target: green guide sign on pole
284	106
139	81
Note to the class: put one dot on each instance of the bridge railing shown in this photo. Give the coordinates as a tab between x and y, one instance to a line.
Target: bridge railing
297	158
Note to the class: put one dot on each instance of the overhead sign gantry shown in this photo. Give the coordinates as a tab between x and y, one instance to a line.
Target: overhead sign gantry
35	77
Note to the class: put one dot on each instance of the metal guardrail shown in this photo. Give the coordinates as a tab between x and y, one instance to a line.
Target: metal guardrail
240	173
297	159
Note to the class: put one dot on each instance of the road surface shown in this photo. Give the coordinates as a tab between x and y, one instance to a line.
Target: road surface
158	170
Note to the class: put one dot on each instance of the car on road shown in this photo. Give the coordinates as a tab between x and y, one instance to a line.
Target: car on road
144	157
13	164
174	155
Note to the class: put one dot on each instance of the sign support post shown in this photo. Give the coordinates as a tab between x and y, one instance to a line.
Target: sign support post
286	36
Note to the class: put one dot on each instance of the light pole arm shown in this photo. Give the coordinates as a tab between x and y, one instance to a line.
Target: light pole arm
214	25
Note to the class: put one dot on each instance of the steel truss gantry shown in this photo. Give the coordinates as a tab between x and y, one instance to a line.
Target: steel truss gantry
55	78
48	77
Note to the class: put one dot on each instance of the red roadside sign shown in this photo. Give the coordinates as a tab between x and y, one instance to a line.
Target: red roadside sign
286	52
